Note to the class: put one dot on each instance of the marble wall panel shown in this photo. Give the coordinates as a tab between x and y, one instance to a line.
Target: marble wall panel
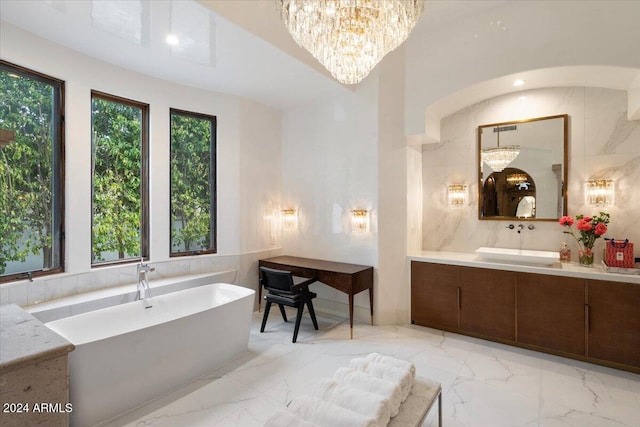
602	144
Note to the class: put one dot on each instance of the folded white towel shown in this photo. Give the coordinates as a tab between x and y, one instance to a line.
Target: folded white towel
284	418
365	382
395	362
385	372
362	402
326	414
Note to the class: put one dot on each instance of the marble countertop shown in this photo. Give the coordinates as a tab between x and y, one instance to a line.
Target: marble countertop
24	340
557	269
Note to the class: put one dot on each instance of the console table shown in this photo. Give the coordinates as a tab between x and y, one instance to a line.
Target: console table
348	278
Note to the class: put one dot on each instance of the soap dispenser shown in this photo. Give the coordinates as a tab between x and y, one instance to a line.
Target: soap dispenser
565	253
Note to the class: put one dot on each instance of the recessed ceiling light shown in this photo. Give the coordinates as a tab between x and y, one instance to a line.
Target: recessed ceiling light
522	98
172	40
518	82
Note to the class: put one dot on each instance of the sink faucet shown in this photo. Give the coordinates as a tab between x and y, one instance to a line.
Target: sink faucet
143	291
520	227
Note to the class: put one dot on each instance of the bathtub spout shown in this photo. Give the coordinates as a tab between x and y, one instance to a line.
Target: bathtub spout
143	291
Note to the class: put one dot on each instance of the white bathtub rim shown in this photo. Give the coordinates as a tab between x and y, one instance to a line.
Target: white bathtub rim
92	295
68	327
112	376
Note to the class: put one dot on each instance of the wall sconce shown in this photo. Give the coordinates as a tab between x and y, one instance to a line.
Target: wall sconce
457	195
600	192
289	219
359	221
516	178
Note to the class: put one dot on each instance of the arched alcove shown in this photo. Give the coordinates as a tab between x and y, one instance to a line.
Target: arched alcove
608	77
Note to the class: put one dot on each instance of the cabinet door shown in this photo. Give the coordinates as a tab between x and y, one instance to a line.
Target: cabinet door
488	302
434	294
614	321
551	312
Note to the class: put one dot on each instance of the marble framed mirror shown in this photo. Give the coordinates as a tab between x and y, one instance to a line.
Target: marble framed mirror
522	169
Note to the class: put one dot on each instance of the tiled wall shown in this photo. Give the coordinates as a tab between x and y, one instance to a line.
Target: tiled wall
48	288
602	144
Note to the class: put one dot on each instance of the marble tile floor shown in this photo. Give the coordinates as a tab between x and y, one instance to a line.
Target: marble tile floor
484	384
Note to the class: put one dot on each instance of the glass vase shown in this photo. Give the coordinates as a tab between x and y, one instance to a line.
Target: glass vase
585	257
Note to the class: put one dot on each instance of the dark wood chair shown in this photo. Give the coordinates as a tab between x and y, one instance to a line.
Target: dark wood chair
286	289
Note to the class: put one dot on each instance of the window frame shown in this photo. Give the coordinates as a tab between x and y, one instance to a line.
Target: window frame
144	191
57	171
213	181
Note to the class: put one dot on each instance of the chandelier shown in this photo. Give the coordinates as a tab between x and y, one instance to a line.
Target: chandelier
498	157
349	37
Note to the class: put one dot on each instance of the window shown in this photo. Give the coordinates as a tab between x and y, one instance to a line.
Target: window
31	173
193	183
119	175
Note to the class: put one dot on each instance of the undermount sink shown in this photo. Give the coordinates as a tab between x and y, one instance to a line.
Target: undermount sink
518	256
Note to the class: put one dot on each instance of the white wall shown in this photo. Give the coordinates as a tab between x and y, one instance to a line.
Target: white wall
260	182
393	292
351	154
329	158
514	37
248	147
603	144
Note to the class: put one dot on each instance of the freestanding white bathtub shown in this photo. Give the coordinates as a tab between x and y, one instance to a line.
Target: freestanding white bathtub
127	355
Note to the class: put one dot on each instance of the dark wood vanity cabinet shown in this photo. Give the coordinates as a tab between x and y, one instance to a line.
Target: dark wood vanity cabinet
474	300
487	302
551	312
614	321
592	320
434	295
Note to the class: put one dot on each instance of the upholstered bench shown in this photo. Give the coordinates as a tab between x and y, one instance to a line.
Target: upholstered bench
374	391
414	410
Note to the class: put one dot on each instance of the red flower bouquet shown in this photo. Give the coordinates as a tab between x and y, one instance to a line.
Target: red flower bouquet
589	229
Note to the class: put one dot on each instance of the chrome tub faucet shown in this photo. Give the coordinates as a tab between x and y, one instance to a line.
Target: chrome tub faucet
143	291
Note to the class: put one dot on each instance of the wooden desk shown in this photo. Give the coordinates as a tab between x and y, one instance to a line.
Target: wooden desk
348	278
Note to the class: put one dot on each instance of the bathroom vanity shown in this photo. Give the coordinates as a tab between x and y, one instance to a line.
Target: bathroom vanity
577	312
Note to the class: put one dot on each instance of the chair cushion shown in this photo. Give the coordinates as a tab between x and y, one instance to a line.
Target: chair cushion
290	300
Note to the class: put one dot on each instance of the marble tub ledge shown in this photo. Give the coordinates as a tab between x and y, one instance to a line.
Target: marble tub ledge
24	340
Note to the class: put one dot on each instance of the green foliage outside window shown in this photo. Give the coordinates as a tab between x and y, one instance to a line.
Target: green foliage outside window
192	178
30	108
117	182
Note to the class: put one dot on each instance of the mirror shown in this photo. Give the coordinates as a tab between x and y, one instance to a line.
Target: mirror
522	169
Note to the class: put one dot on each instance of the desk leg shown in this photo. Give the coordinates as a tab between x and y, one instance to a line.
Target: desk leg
259	296
371	303
351	314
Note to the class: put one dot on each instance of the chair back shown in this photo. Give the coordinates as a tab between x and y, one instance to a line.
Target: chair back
278	280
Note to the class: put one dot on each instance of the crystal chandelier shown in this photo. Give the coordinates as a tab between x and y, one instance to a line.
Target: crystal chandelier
349	37
499	157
